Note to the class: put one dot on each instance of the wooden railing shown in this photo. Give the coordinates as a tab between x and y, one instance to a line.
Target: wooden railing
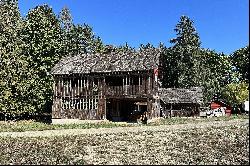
108	90
125	90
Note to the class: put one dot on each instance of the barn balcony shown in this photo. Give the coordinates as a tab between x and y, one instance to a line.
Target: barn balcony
126	90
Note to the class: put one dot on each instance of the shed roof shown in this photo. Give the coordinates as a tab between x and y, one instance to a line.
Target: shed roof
223	102
179	95
109	62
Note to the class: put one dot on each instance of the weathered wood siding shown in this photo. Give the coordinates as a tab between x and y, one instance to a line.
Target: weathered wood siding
78	97
180	110
84	96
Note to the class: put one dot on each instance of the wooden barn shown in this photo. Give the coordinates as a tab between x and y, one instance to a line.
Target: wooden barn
110	86
113	86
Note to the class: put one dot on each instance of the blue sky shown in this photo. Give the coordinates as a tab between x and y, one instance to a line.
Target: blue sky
223	25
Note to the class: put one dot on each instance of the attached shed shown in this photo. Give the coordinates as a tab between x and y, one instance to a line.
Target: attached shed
181	102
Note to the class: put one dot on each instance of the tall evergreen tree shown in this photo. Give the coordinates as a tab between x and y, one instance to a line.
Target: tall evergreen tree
169	68
183	53
186	64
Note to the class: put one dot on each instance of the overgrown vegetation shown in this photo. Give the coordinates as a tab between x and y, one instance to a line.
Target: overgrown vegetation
211	145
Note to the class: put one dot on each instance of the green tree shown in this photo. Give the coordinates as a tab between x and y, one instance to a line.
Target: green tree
126	47
240	60
47	39
13	64
98	45
78	38
186	64
147	46
42	35
66	19
237	89
236	93
29	48
215	72
169	68
183	52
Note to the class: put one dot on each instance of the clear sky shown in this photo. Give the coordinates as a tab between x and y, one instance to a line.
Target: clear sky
223	25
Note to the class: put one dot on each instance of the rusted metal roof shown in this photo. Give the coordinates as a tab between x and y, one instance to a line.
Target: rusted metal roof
109	62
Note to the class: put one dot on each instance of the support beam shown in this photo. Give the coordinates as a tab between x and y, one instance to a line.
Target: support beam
62	93
54	95
139	88
71	93
80	95
171	112
149	84
55	85
74	93
126	85
77	89
78	86
123	81
89	107
105	108
87	86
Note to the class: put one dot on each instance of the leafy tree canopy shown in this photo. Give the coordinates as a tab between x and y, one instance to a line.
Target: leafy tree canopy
240	60
236	93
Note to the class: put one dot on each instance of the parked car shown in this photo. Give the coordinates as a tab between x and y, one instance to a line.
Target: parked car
217	112
205	112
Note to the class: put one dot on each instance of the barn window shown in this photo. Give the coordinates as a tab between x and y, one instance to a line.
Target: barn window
114	81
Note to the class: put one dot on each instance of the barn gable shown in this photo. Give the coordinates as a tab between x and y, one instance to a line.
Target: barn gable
109	62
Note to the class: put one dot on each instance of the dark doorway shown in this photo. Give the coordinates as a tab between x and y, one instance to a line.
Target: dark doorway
128	110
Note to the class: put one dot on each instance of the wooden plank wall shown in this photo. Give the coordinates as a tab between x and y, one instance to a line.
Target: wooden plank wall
181	110
84	96
78	97
143	86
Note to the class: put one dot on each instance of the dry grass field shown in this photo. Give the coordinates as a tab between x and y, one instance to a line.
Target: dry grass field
221	142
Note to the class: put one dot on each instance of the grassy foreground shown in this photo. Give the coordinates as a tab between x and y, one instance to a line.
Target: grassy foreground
213	145
30	125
